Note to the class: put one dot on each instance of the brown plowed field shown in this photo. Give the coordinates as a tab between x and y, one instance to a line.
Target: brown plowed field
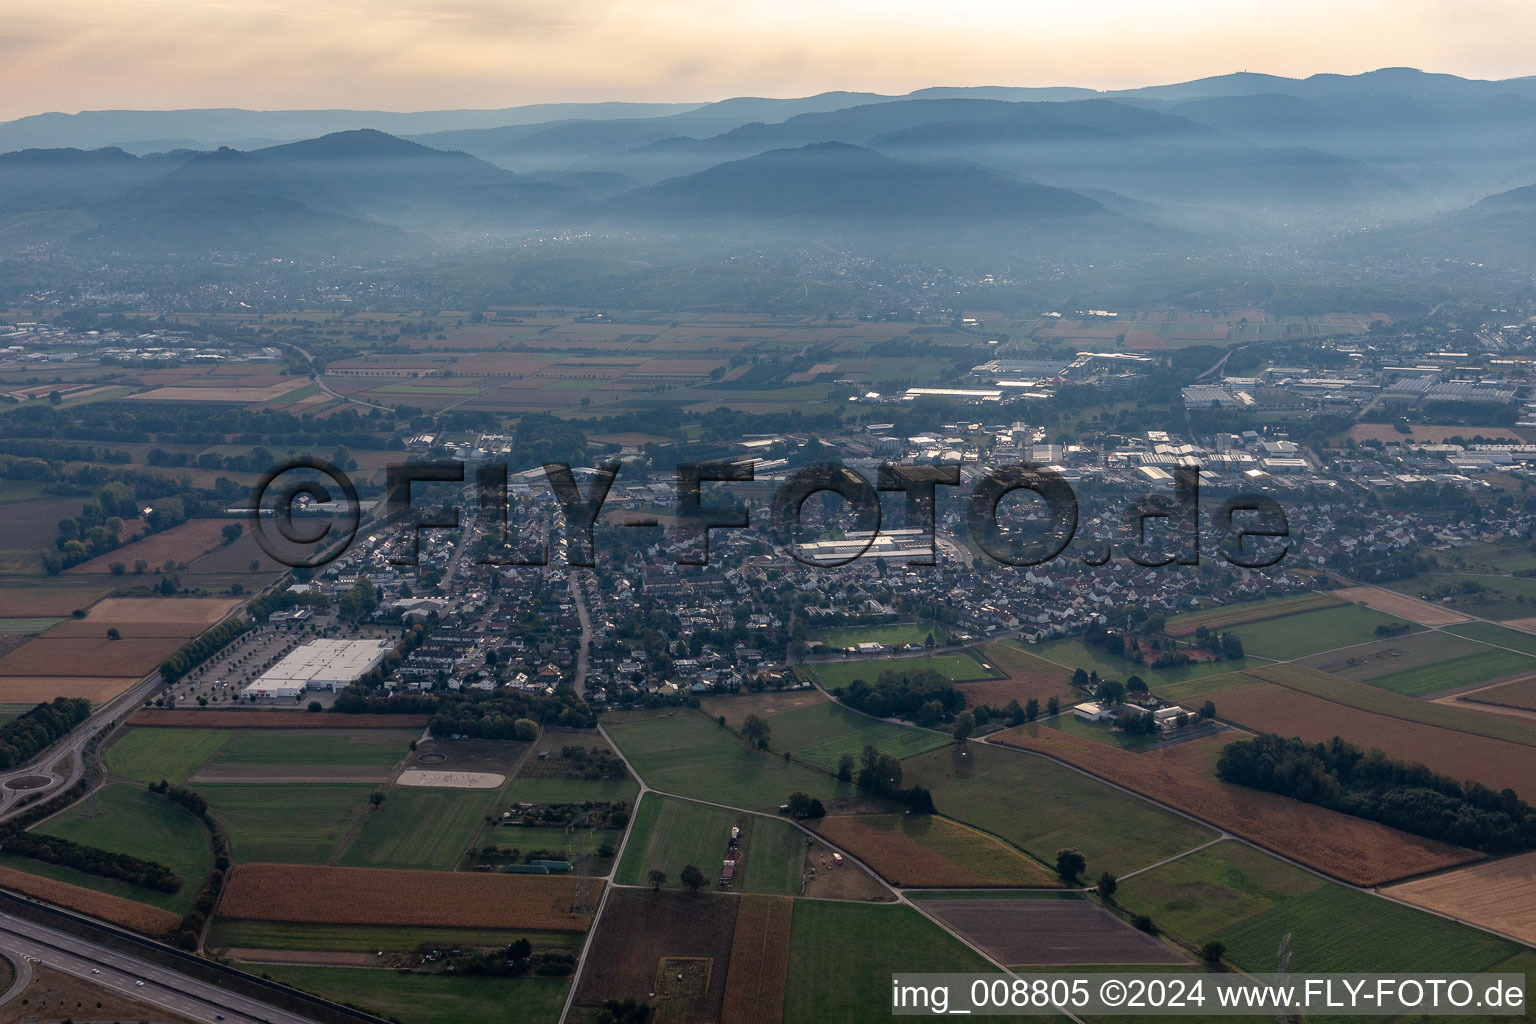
1050	932
640	927
1348	848
1500	894
446	899
46	602
1027	676
196	613
1388	603
1495	763
140	917
31	689
932	852
88	656
759	965
273	720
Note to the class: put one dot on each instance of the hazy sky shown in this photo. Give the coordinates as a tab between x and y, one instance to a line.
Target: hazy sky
421	54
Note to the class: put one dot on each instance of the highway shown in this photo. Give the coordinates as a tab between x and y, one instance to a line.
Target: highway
121	973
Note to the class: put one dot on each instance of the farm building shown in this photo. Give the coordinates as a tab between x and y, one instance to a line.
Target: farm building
319	665
1093	711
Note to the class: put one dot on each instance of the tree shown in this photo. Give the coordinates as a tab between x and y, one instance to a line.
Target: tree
756	732
1108	883
1080	679
232	532
658	879
965	725
1070	864
802	805
1110	692
1212	951
845	768
113	634
1136	684
1053	707
520	949
315	706
1031	709
919	801
376	798
692	877
1208	710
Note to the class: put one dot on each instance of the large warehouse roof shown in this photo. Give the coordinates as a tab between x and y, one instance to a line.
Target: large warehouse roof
326	661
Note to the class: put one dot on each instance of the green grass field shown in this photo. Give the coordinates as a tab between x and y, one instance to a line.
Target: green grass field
1498	636
686	754
1042	807
366	747
570	791
348	938
288	824
1423	663
1296	636
1197	896
988	857
129	819
957	668
419	828
670	834
431	998
1337	929
149	755
842	956
1100	732
890	634
1457	672
1073	654
26	625
823	733
1223	618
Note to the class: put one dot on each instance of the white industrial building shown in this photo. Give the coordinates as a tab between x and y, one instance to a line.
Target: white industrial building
318	665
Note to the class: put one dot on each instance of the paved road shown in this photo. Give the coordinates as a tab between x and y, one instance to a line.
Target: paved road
584	647
121	973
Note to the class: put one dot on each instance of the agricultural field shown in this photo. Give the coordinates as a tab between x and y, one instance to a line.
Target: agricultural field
130	819
418	828
1400	606
759	964
379	896
1224	618
430	998
297	824
57	599
957	668
930	850
822	734
1348	848
1212	889
1042	807
896	634
1491	595
1299	634
1072	654
685	754
1496	636
256	749
1383	702
178	545
1519	694
692	934
362	938
131	914
151	754
1500	895
569	791
1422	664
1025	676
1264	707
1051	933
868	944
669	834
736	708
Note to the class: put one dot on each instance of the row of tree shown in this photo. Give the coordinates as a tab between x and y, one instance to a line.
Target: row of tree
199	649
24	737
923	696
1368	784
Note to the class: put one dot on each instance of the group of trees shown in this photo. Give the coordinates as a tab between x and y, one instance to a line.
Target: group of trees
25	736
802	805
191	928
881	774
920	695
505	715
146	874
1367	784
516	959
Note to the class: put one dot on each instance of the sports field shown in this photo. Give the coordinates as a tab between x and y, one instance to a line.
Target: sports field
822	734
418	828
670	834
867	944
301	823
895	633
685	754
1043	807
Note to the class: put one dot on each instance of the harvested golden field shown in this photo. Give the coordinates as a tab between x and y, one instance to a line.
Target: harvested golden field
381	896
223	392
1520	694
180	544
140	917
194	614
1351	849
1028	677
928	851
1500	894
1402	606
1248	611
33	689
189	719
1495	763
47	602
88	656
759	965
